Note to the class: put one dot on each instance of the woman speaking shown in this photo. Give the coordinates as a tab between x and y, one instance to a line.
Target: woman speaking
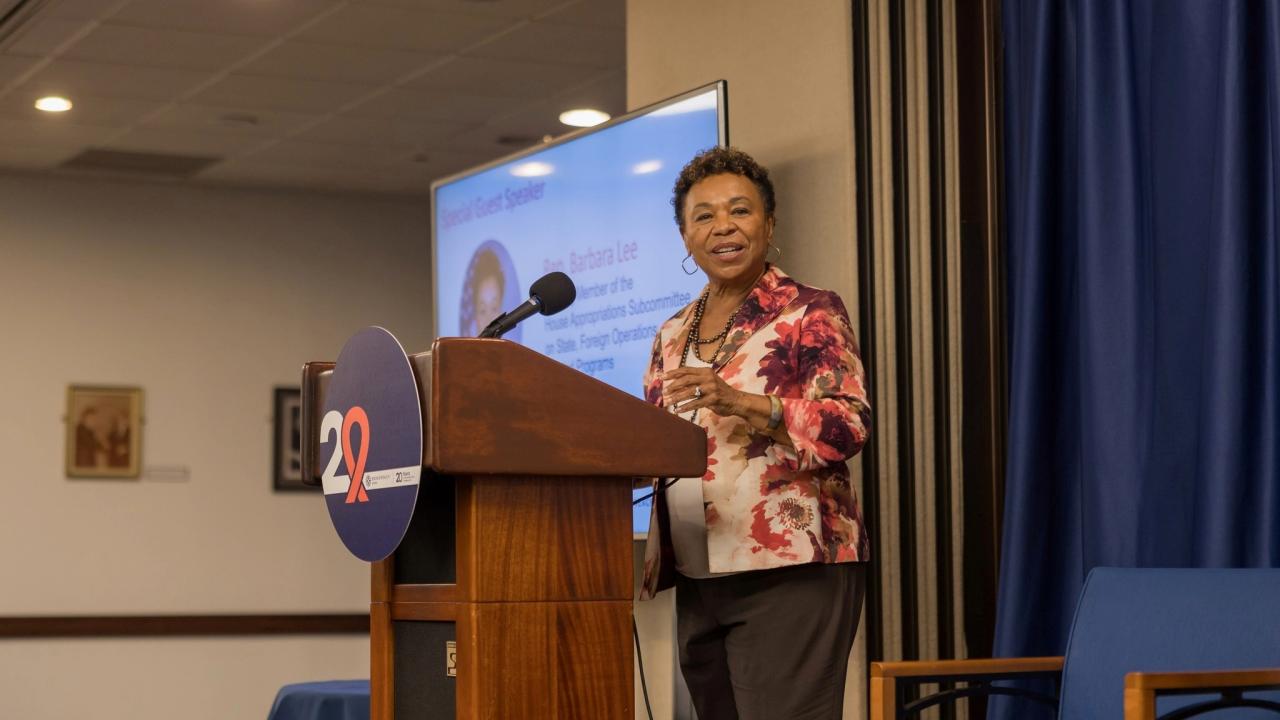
767	549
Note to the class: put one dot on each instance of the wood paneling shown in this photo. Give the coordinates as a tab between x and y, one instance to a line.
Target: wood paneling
444	612
381	663
315	381
545	538
424	593
381	577
542	605
553	660
181	625
501	408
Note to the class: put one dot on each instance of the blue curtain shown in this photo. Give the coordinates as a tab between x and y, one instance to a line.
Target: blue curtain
1142	145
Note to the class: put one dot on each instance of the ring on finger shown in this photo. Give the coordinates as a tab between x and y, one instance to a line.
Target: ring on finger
697	393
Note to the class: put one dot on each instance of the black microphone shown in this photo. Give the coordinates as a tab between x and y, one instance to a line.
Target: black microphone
548	295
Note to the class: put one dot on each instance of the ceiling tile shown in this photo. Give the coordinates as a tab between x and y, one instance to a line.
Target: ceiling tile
506	8
243	173
531	123
36	157
13	66
88	110
269	123
400	180
593	13
300	96
338	63
541	118
608	93
233	17
503	77
445	106
15	132
82	9
75	78
44	36
301	153
344	95
554	43
444	164
393	27
153	47
392	130
182	141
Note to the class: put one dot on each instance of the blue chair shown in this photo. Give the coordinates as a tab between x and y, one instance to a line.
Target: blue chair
1192	641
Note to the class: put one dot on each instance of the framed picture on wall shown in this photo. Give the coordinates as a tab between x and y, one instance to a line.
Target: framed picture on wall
287	440
104	432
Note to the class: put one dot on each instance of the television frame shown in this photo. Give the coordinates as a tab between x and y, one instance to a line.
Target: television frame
721	87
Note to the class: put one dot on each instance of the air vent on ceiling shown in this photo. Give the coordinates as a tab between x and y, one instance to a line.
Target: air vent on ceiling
156	165
516	140
16	15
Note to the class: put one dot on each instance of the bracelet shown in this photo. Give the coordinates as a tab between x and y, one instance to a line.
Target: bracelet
775	413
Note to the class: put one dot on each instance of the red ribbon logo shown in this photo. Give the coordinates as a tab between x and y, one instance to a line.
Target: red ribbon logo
356	416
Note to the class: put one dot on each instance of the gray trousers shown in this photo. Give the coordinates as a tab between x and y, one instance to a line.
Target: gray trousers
769	644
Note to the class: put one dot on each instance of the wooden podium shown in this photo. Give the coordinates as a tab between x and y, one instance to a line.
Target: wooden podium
520	546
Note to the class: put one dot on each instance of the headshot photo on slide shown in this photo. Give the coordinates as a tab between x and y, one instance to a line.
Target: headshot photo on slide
490	288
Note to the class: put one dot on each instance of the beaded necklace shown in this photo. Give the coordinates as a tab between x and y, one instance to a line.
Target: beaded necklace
695	340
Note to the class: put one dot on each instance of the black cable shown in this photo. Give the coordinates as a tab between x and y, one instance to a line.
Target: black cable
661	487
644	686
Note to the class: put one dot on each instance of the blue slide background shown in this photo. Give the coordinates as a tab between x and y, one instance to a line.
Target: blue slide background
596	216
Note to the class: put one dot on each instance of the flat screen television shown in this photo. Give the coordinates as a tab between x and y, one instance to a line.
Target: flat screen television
594	204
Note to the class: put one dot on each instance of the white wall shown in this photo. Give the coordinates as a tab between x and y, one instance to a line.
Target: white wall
790	72
207	298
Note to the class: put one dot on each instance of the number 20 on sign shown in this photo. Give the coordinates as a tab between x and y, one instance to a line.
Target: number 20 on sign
341	426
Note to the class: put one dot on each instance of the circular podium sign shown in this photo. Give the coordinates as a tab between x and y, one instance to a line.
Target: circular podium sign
371	444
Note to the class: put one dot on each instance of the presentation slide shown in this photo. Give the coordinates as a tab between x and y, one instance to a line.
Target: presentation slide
596	207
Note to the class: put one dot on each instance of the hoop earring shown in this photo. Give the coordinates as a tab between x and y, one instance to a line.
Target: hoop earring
775	247
686	270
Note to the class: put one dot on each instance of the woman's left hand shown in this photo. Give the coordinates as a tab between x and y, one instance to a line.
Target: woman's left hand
692	388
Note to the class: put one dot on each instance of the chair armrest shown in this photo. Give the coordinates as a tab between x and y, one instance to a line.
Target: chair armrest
950	668
1142	688
885	676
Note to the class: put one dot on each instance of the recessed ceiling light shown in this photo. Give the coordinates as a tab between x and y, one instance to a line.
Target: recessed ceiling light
532	169
583	117
646	167
53	104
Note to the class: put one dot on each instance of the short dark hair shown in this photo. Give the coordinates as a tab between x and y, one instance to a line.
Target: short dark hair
717	161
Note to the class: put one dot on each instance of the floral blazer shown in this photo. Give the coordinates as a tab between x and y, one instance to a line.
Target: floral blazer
767	504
